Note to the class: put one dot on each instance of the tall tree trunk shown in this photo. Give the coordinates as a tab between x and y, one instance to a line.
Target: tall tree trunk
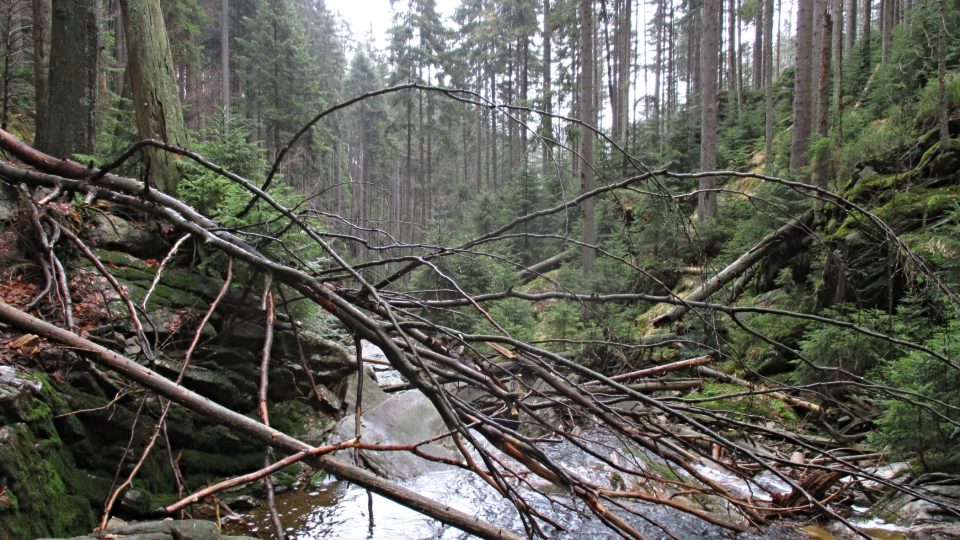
119	51
546	122
886	29
851	27
768	84
837	47
821	170
624	42
865	15
42	23
732	46
709	47
802	106
658	75
225	61
588	117
72	98
776	64
758	47
154	85
819	10
944	116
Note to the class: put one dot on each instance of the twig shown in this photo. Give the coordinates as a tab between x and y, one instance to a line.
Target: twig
163	264
264	413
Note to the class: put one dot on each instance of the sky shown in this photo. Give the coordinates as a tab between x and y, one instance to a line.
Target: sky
376	15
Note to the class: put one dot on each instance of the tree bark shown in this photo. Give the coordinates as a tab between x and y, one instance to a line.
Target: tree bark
802	94
73	84
546	122
943	109
758	46
42	28
225	61
154	85
865	15
588	117
709	49
837	53
886	29
768	84
851	27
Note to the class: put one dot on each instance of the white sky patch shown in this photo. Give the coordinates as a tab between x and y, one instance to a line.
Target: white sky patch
375	17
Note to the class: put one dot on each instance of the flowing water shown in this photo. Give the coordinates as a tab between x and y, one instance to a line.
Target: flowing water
339	510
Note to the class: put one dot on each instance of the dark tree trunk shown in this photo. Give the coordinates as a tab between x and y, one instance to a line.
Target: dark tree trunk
588	117
72	99
225	61
758	47
865	15
768	83
851	27
546	122
42	22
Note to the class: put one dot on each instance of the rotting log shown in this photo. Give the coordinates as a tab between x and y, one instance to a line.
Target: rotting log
234	420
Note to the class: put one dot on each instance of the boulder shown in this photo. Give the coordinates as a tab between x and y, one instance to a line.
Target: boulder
403	418
117	233
8	203
372	394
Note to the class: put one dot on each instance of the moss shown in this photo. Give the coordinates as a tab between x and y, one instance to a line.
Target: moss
918	205
38	473
176	287
868	188
758	405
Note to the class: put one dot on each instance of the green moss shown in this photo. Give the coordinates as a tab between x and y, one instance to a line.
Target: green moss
38	472
758	405
918	204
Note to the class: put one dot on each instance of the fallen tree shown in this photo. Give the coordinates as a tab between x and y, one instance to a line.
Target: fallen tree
427	354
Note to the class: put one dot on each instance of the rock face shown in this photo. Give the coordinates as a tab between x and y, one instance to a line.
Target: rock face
62	438
41	490
402	418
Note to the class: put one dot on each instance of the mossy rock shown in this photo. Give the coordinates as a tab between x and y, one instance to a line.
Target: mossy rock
37	470
176	288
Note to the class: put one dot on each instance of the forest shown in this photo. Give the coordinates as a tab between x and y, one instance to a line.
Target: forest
543	269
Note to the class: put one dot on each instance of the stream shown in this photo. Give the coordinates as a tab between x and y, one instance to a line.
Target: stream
338	510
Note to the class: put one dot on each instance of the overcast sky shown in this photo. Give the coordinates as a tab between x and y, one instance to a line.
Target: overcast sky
376	15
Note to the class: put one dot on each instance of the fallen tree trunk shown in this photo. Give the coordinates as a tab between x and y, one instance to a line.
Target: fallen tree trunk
808	406
531	273
737	267
239	422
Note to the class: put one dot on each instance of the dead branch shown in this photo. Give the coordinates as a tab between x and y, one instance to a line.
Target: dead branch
255	429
